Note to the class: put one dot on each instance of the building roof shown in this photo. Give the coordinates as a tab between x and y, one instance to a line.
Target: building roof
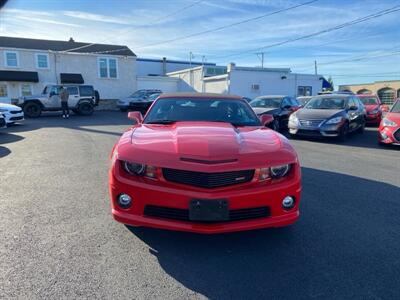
71	45
183	62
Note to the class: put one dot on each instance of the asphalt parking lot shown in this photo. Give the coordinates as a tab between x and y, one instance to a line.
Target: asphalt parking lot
58	240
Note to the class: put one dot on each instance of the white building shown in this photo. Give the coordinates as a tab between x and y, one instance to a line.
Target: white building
160	67
27	65
248	81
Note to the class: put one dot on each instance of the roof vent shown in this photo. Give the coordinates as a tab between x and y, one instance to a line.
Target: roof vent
71	40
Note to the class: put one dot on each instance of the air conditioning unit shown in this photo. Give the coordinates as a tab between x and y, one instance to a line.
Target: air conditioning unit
255	87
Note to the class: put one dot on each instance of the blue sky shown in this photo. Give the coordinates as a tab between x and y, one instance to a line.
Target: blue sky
361	53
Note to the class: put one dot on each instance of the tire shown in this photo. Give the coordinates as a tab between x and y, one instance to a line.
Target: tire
32	110
85	109
344	132
275	125
361	129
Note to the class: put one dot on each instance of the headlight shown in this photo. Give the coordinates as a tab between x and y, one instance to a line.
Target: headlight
134	168
388	123
280	171
334	120
293	119
375	111
139	169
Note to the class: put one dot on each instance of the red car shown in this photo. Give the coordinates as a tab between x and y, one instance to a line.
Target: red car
389	129
204	163
373	106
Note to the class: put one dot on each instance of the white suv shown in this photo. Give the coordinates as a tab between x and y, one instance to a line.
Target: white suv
81	100
11	113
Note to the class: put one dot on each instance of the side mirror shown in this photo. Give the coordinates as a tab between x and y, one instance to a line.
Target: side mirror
266	119
135	116
384	108
52	94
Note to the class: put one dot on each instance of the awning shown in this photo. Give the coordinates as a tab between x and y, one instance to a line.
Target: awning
19	76
71	78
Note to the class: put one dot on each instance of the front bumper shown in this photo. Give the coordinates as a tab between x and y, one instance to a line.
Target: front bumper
387	135
176	196
13	117
322	130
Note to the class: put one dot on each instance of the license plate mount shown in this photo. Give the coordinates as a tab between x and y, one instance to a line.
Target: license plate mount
209	210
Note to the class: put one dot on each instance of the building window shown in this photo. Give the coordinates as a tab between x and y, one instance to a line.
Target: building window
108	67
26	89
11	59
3	90
42	60
304	91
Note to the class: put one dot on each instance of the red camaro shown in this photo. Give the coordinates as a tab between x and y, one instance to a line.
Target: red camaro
204	163
389	129
373	106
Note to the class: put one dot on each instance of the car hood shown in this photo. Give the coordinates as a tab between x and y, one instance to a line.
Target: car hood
205	146
395	117
371	107
265	110
9	107
317	113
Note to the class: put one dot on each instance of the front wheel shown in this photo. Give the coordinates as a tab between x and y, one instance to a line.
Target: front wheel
275	125
344	131
85	108
32	110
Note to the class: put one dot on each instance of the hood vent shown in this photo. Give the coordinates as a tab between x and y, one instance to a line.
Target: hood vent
208	162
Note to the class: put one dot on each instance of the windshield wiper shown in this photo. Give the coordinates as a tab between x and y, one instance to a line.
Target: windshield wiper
164	122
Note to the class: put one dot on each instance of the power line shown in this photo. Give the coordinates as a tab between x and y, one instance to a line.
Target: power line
184	37
178	11
337	27
163	18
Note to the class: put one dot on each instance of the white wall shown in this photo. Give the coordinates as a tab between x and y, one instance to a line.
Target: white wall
270	82
165	84
191	80
147	67
218	85
85	64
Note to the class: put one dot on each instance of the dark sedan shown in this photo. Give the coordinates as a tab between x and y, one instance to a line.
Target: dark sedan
280	107
329	115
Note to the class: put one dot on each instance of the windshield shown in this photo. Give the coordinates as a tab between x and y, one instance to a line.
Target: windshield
137	94
266	102
369	101
172	110
326	103
396	107
153	97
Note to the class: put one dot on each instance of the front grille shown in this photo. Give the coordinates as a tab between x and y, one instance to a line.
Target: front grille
308	132
310	123
208	180
397	135
183	214
16	118
14	112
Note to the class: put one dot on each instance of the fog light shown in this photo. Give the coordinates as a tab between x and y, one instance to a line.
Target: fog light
288	202
384	135
124	201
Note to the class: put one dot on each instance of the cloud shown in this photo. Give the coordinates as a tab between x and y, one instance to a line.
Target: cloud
47	21
95	17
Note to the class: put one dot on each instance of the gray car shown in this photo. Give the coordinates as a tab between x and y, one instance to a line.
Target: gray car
333	115
139	100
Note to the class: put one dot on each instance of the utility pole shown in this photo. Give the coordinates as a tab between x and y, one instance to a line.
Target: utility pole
203	60
262	58
190	58
315	67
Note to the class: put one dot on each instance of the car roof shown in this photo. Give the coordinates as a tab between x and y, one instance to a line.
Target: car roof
198	95
366	95
334	96
271	96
